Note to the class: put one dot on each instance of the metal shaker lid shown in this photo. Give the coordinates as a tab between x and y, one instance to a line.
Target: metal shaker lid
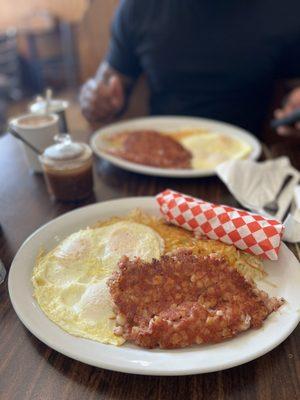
64	149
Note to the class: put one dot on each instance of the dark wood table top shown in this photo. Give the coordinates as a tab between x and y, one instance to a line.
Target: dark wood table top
31	370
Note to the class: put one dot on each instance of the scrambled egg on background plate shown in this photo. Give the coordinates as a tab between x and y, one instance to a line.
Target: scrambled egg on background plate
210	149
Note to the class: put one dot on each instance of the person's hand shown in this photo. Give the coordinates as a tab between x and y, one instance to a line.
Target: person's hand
291	104
100	100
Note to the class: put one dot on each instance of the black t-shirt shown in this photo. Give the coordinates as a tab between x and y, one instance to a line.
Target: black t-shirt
215	59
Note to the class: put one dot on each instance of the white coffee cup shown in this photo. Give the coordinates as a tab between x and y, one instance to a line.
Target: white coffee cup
38	130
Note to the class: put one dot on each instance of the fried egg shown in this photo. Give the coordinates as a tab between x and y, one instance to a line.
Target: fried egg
70	281
210	149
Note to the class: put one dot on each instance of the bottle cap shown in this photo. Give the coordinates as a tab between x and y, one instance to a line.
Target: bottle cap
64	149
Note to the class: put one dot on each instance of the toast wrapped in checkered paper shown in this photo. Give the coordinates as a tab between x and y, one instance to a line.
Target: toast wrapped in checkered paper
250	232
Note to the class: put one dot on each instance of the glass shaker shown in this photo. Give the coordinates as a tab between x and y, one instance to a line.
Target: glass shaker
68	169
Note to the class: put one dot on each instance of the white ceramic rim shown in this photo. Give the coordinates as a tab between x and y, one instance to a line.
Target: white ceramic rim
14	122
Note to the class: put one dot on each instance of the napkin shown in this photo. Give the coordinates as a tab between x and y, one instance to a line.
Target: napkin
254	184
247	231
292	222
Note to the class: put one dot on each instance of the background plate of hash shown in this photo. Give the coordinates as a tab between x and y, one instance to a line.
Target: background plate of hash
170	123
283	280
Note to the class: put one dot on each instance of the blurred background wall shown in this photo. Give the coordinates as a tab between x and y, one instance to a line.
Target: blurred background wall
93	35
57	44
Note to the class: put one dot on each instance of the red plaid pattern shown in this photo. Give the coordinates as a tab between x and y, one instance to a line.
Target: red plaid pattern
250	232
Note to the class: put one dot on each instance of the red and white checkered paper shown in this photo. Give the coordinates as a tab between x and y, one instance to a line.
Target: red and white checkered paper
252	233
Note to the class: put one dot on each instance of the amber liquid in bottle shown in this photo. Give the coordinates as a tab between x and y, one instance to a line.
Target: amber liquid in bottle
68	169
70	185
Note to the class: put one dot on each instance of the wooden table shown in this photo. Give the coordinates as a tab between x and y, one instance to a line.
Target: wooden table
31	370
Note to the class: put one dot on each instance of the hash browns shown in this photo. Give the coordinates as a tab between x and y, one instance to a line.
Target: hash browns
176	238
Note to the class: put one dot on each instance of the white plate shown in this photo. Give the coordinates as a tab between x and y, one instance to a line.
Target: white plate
170	123
284	274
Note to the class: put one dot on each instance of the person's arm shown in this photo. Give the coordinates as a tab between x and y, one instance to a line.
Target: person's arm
291	104
105	95
290	69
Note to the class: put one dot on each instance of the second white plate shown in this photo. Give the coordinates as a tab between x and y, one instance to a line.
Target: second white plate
170	123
